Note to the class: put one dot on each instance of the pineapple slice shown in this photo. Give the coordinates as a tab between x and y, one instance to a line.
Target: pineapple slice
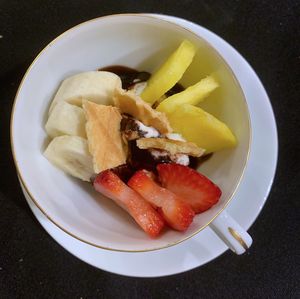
169	73
200	127
192	95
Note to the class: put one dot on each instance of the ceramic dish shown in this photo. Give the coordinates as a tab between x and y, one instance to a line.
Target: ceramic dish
249	198
74	206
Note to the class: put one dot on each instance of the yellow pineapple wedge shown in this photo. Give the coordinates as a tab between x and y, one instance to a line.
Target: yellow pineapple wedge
169	73
192	95
200	127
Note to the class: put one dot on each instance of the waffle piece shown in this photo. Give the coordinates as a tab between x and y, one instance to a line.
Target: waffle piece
132	104
104	136
172	146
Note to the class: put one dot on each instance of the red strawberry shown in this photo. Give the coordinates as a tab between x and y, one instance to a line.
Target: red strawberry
176	212
110	185
196	189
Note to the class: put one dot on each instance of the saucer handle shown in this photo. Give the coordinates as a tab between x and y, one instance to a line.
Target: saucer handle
231	233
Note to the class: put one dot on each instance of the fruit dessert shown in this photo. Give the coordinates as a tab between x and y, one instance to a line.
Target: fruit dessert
135	137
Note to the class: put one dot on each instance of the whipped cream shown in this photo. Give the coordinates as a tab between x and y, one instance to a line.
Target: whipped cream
138	88
175	136
148	132
158	154
179	158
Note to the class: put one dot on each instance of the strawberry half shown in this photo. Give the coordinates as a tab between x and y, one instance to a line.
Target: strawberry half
176	212
196	189
110	185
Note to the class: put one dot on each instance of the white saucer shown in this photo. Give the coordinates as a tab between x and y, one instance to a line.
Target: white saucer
245	207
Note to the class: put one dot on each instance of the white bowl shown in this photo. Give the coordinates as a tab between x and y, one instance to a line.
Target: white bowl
141	42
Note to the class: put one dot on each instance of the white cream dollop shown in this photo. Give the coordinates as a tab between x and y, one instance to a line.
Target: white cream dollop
149	131
139	87
175	136
157	154
179	158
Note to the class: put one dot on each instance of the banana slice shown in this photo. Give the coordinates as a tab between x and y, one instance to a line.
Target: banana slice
94	86
71	154
66	119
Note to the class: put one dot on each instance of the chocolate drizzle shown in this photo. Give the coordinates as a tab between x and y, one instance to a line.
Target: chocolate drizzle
128	76
139	158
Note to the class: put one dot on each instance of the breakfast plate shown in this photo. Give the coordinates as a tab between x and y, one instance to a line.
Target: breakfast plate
249	198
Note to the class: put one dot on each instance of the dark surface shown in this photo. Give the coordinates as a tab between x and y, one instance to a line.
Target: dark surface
33	265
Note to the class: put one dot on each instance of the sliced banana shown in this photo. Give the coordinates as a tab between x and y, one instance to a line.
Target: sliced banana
66	119
71	154
95	86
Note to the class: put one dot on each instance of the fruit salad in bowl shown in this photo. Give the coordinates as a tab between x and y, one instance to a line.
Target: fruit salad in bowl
138	140
126	132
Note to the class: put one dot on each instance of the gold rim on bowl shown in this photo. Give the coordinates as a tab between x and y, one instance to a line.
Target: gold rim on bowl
23	183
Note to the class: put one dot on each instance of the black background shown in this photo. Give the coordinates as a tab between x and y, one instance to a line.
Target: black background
266	33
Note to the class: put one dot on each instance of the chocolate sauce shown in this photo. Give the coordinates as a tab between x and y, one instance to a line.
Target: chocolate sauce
124	172
197	162
129	76
142	159
175	89
129	128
